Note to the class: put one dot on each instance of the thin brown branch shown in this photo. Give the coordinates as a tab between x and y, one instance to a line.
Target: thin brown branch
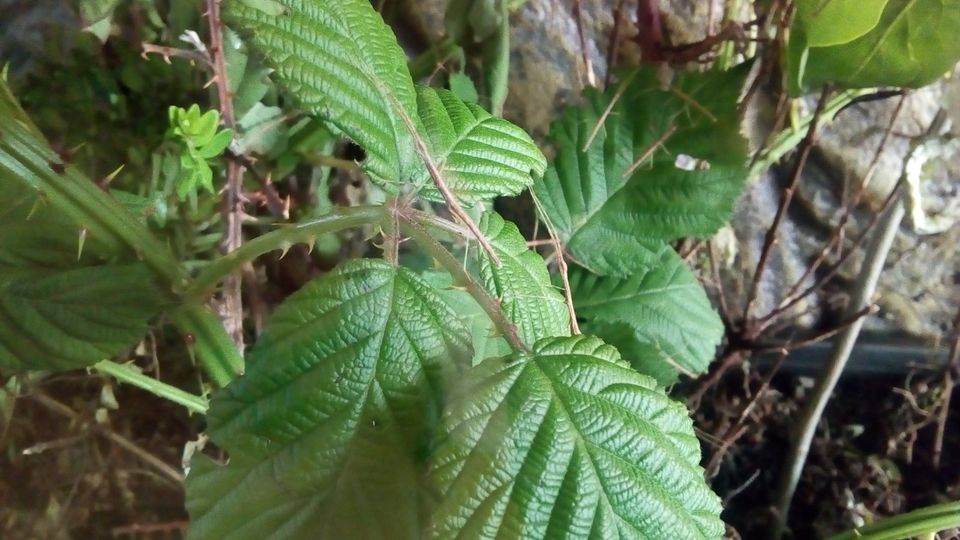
278	207
173	52
649	151
606	111
771	237
686	98
948	384
584	54
231	308
816	338
725	311
616	37
737	429
121	441
788	303
561	265
851	203
942	416
955	345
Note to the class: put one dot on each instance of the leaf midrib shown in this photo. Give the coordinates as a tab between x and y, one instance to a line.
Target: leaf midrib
883	37
582	442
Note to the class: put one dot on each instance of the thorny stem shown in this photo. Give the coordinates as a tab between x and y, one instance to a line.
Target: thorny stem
167	52
492	306
455	208
391	233
771	237
232	308
277	207
23	149
283	238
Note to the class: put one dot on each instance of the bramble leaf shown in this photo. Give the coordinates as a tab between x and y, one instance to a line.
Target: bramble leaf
343	63
522	283
568	442
58	310
666	308
689	162
327	431
70	292
479	156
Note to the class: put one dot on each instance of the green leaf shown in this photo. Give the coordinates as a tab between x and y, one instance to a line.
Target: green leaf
264	129
914	43
462	86
29	168
249	77
522	283
204	128
483	27
665	306
327	430
73	317
484	343
568	442
342	62
613	222
92	11
478	155
834	22
642	359
58	312
216	145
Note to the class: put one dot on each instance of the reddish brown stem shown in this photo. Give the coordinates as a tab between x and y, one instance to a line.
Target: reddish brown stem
852	203
771	237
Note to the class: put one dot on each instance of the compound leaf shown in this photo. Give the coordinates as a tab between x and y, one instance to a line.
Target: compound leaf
692	167
522	283
327	430
664	305
479	155
568	442
341	61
